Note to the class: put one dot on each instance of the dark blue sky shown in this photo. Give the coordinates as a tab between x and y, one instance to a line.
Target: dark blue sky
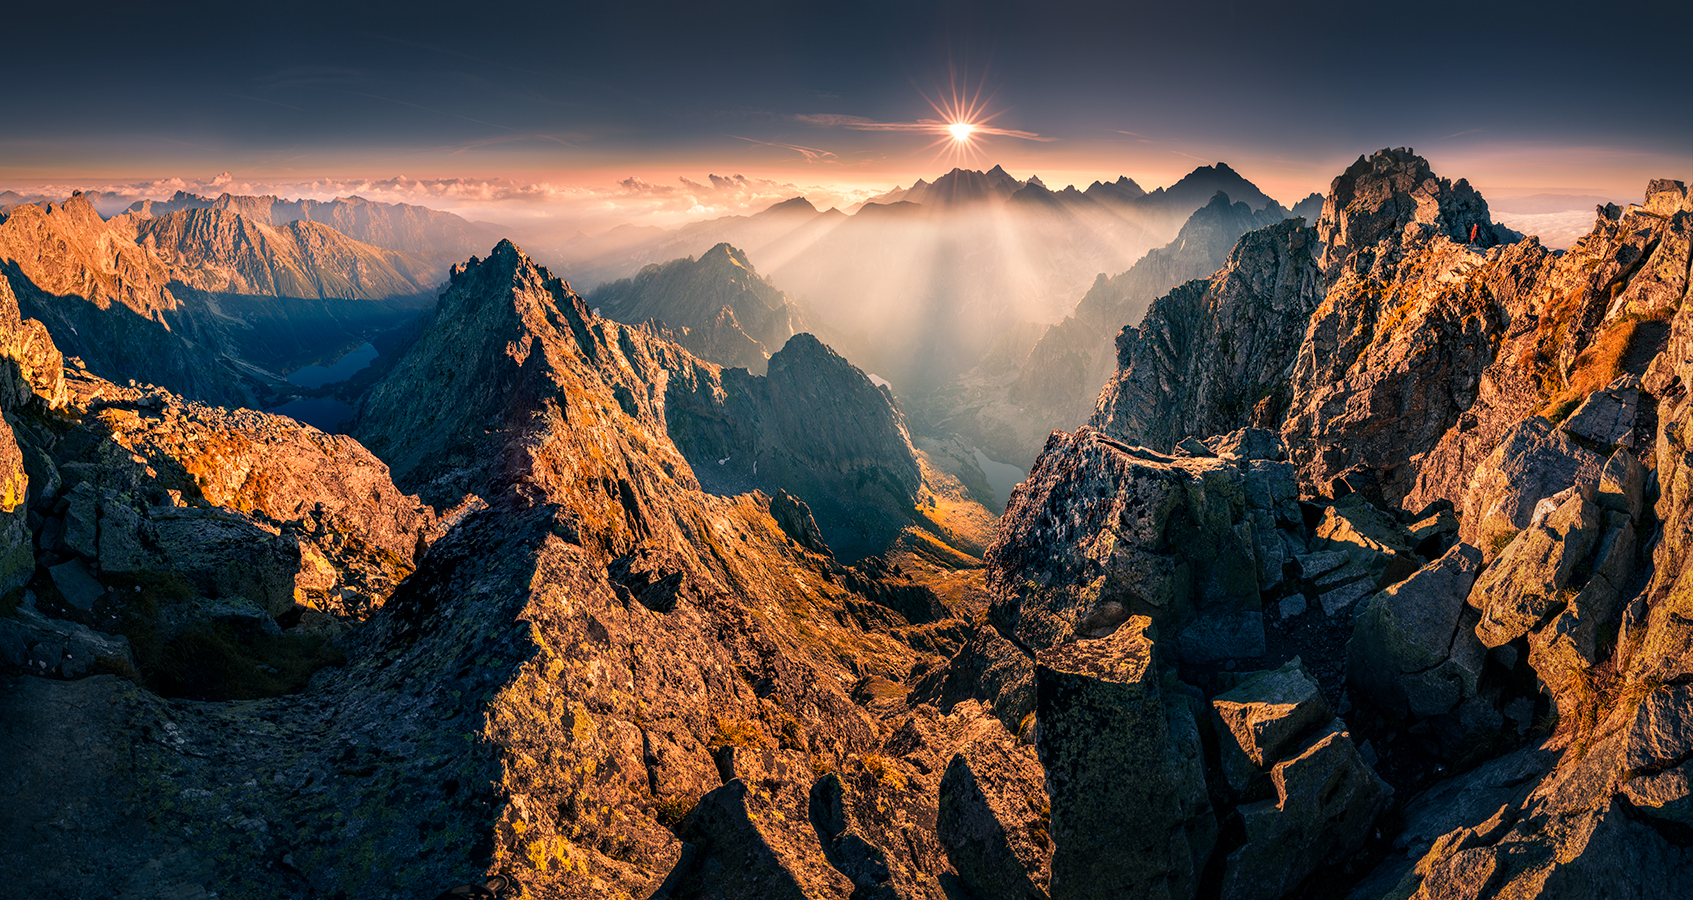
1572	96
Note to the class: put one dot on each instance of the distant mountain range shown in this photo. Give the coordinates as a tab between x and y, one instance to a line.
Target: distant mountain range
1035	381
208	301
964	187
396	226
919	286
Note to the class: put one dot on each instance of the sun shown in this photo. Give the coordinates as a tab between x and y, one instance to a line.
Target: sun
961	130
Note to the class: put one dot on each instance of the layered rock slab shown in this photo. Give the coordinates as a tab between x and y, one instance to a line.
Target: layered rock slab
1130	816
1102	531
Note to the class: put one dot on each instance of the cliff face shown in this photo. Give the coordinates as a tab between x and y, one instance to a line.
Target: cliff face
108	301
1212	356
726	314
395	226
1010	402
221	251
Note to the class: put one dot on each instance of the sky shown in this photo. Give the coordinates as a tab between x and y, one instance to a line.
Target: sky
613	112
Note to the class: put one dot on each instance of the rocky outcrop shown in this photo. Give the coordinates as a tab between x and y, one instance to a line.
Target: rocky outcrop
1008	406
1371	205
1102	531
1279	736
172	543
718	307
1394	353
1415	656
170	486
1130	816
1213	356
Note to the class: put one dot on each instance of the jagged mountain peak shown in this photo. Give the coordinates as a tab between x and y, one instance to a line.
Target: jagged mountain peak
717	306
791	205
727	252
1378	196
963	186
1203	181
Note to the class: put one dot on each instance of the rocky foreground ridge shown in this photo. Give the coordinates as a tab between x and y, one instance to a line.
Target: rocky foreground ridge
1230	648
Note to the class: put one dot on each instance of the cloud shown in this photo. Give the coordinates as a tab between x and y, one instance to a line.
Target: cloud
811	154
589	206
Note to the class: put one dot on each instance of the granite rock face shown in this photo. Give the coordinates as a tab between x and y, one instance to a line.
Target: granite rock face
1130	816
1413	650
1532	462
1326	800
221	251
1211	356
1102	531
1019	393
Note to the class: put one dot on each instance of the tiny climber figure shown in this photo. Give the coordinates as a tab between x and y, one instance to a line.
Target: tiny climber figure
1475	227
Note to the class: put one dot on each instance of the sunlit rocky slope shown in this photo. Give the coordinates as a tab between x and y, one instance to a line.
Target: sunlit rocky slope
1368	579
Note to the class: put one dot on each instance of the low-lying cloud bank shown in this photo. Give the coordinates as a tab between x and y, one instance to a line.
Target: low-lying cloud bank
588	207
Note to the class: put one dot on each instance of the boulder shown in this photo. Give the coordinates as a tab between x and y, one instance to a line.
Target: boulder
1519	588
1410	653
1124	771
1101	529
225	553
1533	461
1470	798
1606	417
76	584
993	820
1249	444
1263	716
82	521
1622	484
1377	548
1327	799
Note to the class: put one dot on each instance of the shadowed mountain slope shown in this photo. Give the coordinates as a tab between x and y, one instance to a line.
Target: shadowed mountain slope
717	307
